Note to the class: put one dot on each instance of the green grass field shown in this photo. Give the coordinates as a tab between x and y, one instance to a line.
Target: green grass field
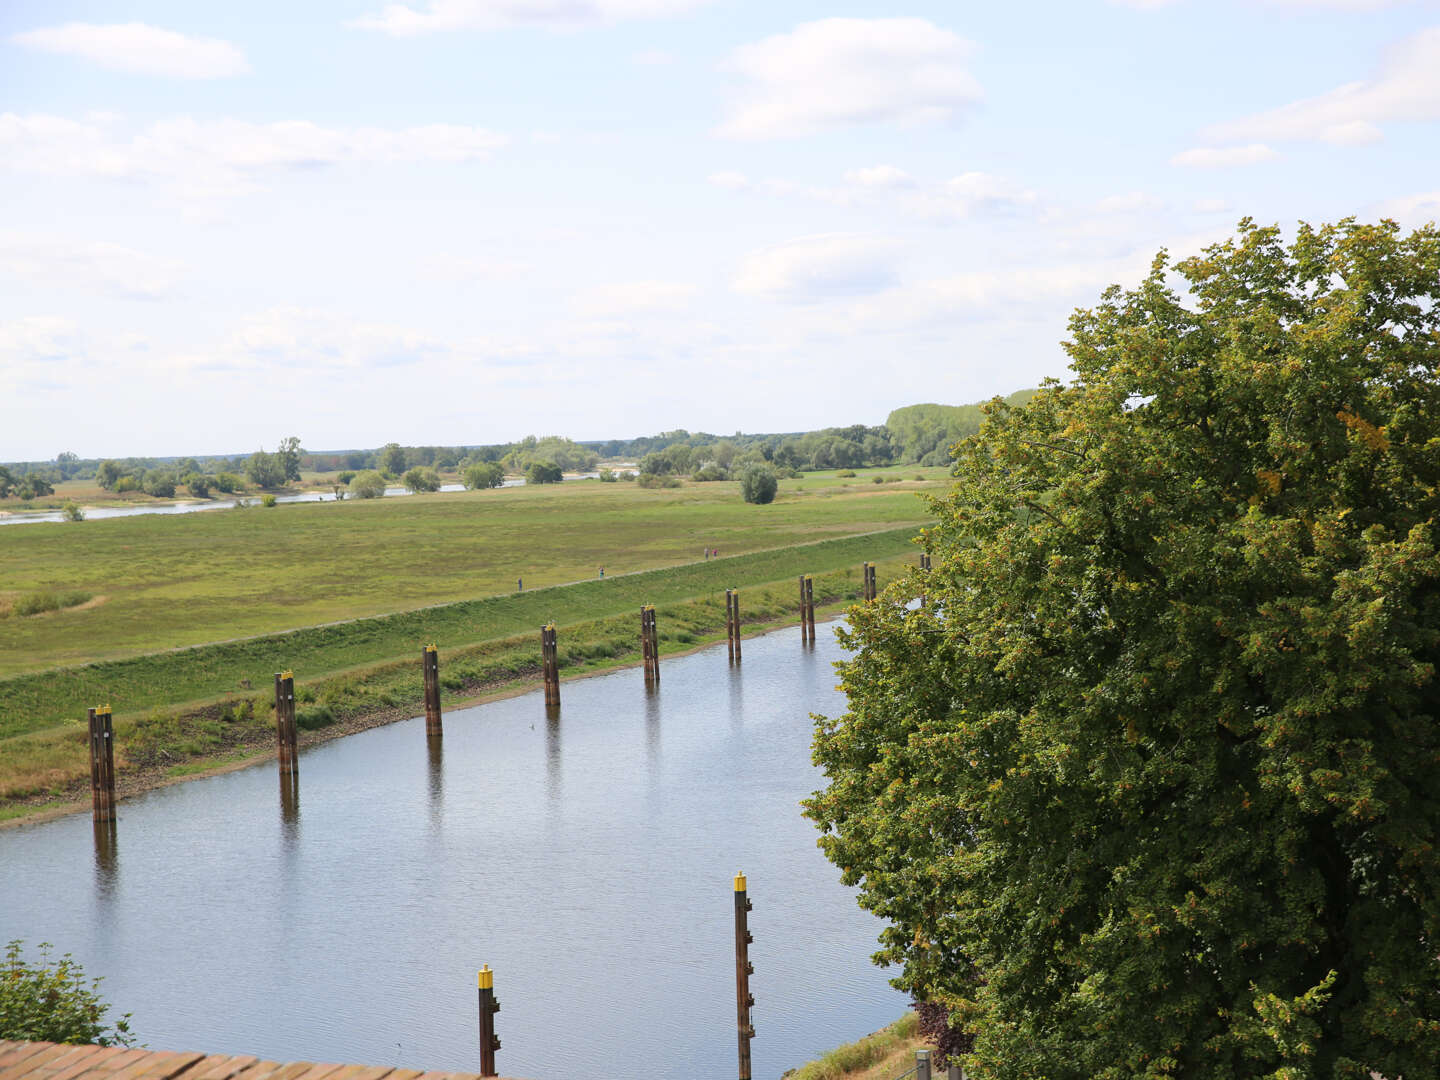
190	615
162	582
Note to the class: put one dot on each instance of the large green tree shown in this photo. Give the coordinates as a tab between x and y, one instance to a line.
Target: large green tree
1150	786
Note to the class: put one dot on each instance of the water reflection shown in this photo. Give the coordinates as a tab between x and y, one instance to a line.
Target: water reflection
596	877
435	754
107	859
289	804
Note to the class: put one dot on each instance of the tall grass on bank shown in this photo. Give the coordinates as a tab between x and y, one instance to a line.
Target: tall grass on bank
177	737
885	1054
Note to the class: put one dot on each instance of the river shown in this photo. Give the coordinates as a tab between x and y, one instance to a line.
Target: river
586	858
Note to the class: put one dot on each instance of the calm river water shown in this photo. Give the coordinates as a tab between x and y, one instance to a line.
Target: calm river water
587	859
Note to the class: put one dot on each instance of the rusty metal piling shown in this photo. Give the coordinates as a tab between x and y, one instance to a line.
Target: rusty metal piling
430	664
650	645
550	662
744	1000
102	764
489	1006
286	736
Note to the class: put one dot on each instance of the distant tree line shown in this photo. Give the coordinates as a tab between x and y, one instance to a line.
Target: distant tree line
917	434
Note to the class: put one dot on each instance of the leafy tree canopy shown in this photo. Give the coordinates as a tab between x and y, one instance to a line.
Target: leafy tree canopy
1151	785
758	483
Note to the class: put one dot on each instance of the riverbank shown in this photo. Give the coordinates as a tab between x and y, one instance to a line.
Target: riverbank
882	1055
46	775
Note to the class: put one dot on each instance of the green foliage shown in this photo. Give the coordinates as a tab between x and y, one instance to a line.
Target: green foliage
287	456
345	476
268	499
656	480
925	433
543	472
51	1001
421	479
228	482
159	483
107	474
198	484
846	473
391	459
38	603
607	476
481	475
1149	788
73	511
552	450
758	484
368	485
862	1054
265	470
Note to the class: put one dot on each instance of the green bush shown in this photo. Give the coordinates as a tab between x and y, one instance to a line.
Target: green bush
658	480
126	483
37	603
543	472
198	484
51	1002
421	479
846	473
368	485
72	512
346	476
267	500
758	484
607	476
229	483
481	475
314	717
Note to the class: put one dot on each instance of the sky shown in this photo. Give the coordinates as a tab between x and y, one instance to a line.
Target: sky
465	221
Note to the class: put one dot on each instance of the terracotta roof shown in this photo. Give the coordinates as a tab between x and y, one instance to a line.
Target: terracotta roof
60	1061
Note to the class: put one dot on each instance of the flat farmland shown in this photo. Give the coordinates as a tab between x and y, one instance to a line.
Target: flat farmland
168	581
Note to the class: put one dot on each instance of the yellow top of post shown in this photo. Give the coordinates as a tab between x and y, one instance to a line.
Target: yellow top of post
430	648
287	675
103	710
486	978
739	882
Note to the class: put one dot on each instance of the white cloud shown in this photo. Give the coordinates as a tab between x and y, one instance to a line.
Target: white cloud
317	341
880	176
141	49
813	268
401	20
214	158
1223	157
734	181
652	58
1412	210
1405	88
633	297
975	193
93	267
834	73
34	355
1132	202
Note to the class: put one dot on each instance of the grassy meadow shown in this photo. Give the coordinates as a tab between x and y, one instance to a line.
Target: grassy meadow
188	616
169	581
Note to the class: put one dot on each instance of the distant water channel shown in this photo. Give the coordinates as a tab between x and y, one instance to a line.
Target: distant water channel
587	859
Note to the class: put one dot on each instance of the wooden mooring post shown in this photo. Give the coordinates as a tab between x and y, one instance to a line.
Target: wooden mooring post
489	1006
430	664
550	662
744	1000
732	622
925	568
807	610
650	645
867	583
286	737
102	764
922	1065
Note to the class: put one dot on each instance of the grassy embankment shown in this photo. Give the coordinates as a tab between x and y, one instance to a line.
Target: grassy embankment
179	712
884	1055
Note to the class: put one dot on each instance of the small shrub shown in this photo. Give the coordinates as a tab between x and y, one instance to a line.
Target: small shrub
346	476
710	472
314	717
37	603
658	480
368	485
846	473
919	476
126	483
199	485
607	476
267	500
51	1002
421	479
758	484
229	483
543	472
877	479
72	512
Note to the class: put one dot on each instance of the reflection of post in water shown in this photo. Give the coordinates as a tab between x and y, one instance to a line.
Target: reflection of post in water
652	726
435	747
107	857
552	749
289	798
